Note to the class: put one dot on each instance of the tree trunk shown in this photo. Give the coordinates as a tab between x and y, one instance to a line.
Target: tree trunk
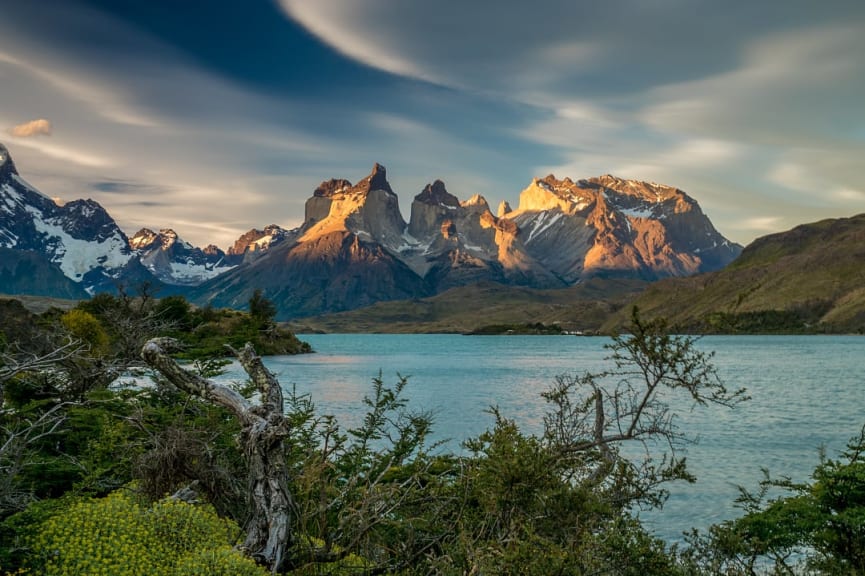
264	430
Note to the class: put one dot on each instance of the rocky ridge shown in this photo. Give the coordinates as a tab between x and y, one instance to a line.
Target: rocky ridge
175	261
78	237
76	248
255	242
354	247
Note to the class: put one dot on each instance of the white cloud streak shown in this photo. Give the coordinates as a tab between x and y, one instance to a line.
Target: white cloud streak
762	103
184	145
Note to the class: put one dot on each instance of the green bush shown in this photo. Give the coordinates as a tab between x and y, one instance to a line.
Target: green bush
221	561
87	328
118	536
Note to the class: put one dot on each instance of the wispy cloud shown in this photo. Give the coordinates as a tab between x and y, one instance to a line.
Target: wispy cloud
74	155
755	112
144	126
740	105
761	224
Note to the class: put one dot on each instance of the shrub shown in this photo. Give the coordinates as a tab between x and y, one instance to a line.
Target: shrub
118	536
84	326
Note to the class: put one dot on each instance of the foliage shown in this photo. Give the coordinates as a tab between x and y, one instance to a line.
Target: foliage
175	310
365	493
117	535
818	525
759	322
375	498
513	503
261	310
85	327
220	561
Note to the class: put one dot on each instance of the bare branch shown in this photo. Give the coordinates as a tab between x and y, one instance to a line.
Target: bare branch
154	354
269	532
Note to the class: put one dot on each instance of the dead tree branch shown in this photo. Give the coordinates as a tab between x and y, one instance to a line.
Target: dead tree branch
264	427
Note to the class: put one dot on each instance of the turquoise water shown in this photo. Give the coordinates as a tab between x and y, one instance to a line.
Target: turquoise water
807	392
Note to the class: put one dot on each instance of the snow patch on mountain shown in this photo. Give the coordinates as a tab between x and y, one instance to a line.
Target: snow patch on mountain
11	199
540	224
77	256
191	272
643	212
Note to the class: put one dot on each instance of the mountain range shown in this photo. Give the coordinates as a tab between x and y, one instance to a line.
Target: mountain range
354	248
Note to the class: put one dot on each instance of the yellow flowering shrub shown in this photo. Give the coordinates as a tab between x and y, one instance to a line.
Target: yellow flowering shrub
87	328
222	561
117	536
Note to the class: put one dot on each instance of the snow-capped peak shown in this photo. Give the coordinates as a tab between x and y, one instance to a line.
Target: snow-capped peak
143	238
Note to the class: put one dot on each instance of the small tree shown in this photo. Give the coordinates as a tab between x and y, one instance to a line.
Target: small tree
817	525
562	502
595	414
261	309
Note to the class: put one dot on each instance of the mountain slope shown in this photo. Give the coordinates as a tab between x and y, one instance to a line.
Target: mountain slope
333	271
336	261
608	226
80	241
79	237
175	261
31	273
583	307
354	248
811	278
452	243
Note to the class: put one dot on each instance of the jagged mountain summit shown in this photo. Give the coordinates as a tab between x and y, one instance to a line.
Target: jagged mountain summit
608	226
175	261
254	243
354	247
76	249
79	238
337	260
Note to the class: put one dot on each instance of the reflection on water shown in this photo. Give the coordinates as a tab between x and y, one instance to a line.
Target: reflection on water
806	392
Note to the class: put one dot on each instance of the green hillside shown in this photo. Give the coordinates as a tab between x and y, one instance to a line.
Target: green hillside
809	279
583	307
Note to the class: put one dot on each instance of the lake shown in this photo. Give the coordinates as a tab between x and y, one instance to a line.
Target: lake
806	392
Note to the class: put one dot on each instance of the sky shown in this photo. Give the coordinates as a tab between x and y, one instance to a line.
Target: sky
213	117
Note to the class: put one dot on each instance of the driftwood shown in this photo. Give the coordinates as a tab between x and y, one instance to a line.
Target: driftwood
264	430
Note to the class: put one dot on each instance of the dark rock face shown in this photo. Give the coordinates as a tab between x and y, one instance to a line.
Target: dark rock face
7	165
31	273
253	243
377	180
331	272
331	187
431	209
